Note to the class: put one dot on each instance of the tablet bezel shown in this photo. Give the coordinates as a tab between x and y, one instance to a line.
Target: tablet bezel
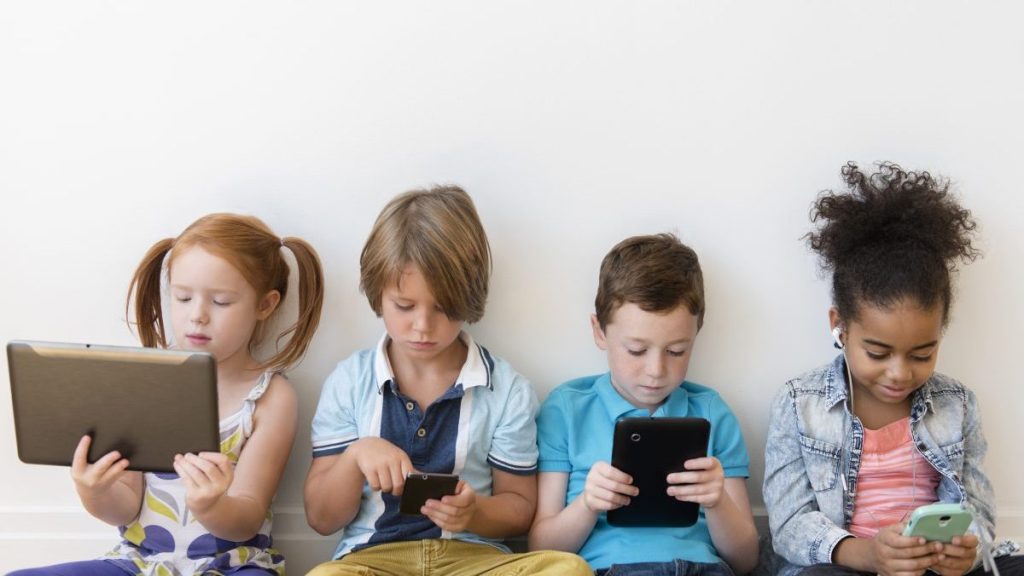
147	403
648	460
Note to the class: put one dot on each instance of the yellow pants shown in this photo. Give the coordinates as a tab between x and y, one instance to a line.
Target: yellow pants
450	557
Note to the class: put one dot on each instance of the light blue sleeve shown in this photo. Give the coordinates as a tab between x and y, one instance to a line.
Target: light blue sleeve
335	425
553	426
514	444
727	441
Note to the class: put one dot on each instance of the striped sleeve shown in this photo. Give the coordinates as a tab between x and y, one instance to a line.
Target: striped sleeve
334	425
514	445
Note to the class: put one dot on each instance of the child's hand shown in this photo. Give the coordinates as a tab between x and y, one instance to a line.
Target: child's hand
207	476
607	488
896	554
382	463
453	512
703	482
957	557
93	479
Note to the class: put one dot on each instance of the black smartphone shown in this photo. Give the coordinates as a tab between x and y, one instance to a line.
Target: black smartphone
422	486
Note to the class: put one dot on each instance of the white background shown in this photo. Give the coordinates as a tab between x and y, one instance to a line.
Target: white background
572	124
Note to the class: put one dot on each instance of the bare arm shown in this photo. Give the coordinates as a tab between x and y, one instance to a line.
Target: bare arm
566	528
509	511
107	490
334	484
236	511
557	526
732	529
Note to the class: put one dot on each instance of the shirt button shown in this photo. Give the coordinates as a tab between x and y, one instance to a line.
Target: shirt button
421	432
409	406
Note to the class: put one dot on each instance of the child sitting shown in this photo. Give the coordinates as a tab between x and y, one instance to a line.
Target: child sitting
427	398
650	306
227	277
856	445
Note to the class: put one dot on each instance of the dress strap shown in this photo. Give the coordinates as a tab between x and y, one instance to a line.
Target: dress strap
249	405
261	386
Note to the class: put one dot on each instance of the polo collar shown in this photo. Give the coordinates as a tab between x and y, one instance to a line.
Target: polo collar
476	371
677	403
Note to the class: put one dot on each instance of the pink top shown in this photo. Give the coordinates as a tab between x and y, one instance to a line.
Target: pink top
894	479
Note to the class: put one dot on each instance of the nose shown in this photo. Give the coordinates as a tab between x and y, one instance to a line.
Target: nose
899	371
422	321
198	313
655	365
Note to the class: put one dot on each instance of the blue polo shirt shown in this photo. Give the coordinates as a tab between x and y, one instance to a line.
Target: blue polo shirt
484	421
575	428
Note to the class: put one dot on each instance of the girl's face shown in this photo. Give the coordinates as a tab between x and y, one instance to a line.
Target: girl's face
891	352
213	308
419	329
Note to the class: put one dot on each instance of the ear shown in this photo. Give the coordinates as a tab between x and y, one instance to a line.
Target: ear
599	338
268	304
834	320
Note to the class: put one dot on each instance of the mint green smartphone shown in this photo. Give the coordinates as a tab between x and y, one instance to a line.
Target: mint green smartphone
938	522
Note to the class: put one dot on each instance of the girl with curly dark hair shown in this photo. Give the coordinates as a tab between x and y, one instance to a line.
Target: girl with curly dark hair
856	445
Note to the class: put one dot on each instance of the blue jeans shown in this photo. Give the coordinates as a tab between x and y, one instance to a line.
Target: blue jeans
103	568
673	568
1008	566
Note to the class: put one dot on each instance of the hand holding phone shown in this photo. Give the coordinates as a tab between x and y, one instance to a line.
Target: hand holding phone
422	486
938	522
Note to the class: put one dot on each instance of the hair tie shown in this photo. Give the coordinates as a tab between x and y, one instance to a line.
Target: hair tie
282	242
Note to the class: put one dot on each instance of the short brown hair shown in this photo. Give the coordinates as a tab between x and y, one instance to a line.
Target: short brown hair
437	230
657	273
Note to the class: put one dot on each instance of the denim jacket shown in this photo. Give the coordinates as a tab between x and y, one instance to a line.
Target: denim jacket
813	450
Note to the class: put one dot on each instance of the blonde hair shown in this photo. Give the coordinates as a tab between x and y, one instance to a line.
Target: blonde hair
657	273
250	246
437	230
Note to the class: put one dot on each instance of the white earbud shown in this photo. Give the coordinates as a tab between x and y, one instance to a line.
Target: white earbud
837	335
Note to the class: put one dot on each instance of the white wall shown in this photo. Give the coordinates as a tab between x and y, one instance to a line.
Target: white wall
573	125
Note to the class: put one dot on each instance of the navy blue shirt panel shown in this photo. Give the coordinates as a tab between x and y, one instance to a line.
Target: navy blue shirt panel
429	440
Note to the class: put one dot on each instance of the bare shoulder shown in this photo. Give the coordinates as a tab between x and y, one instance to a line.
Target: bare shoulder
279	401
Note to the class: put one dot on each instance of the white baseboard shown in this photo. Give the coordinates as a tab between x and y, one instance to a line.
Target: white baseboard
39	535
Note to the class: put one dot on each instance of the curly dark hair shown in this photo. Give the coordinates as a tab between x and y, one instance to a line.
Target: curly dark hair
892	235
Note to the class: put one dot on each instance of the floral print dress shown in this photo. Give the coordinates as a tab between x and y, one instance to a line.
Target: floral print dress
166	540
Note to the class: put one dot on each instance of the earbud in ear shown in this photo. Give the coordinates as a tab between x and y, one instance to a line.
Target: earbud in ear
837	335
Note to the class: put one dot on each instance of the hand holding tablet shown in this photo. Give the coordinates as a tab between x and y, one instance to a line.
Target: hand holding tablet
649	449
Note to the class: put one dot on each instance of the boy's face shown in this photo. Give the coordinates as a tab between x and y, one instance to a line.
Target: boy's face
648	352
419	329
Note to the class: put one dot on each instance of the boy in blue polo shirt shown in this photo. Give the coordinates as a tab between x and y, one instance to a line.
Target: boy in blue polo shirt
650	306
427	398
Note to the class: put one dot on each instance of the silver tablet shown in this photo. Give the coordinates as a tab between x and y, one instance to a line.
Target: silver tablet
148	404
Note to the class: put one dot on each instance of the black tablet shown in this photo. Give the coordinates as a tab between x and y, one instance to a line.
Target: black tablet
146	403
649	449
